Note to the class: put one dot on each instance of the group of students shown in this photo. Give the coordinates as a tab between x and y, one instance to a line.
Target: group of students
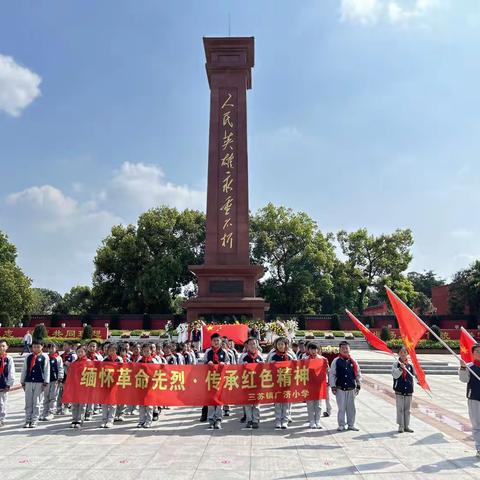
44	373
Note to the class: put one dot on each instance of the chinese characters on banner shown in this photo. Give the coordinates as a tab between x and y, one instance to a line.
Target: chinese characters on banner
98	333
227	169
195	385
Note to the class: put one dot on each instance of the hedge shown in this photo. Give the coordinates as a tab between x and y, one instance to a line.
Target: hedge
425	344
18	341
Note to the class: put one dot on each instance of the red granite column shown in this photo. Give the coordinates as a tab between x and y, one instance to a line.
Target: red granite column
226	281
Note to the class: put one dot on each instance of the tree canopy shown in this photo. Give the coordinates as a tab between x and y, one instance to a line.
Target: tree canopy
143	268
15	291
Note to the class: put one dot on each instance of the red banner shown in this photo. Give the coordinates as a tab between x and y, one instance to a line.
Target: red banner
98	333
195	385
236	332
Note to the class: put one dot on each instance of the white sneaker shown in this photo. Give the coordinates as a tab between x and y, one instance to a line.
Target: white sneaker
49	417
340	429
284	425
318	426
312	425
109	425
278	425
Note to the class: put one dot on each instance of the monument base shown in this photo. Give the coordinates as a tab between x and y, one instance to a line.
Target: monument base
226	289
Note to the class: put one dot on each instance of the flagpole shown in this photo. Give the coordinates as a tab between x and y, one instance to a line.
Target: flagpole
435	335
390	352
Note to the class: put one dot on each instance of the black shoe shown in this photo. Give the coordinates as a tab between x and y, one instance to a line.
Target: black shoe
243	419
155	416
226	413
254	425
326	414
249	424
203	418
217	425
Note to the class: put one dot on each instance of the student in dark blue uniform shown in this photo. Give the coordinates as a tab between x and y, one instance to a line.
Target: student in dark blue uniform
215	355
473	393
345	381
34	379
7	378
252	355
403	374
52	389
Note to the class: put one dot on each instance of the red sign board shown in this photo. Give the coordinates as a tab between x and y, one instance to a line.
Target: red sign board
100	333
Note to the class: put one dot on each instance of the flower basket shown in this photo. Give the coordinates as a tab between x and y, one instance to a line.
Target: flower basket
145	335
126	335
349	336
329	335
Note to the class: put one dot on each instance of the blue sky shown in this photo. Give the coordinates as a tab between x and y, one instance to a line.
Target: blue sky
363	113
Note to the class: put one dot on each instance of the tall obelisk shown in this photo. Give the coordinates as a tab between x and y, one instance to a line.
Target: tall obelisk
227	280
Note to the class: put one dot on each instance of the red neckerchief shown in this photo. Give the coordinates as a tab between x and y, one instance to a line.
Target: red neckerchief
283	356
134	358
476	363
32	362
253	356
354	363
2	363
53	355
83	359
215	355
125	359
404	368
92	355
146	359
312	357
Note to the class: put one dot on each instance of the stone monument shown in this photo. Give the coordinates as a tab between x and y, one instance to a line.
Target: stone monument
227	280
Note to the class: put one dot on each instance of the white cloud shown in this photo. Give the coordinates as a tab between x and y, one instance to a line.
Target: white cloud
369	12
360	11
19	86
421	8
57	234
136	187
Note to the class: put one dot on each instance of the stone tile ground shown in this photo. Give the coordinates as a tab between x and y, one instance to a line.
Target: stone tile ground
179	447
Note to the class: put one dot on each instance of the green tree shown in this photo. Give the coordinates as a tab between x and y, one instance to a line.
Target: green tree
143	268
44	301
78	301
423	282
465	290
299	259
15	291
373	259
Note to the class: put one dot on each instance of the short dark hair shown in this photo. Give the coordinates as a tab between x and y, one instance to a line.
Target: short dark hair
312	346
474	347
93	341
38	342
343	342
3	340
214	335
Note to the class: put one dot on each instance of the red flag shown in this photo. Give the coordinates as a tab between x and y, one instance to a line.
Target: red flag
411	330
466	344
371	338
236	332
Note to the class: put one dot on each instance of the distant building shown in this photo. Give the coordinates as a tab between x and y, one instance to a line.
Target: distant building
379	309
440	300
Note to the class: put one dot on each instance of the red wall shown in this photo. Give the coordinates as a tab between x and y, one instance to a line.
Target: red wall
440	299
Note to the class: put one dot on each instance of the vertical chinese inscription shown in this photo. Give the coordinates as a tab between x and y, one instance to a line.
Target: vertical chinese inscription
227	171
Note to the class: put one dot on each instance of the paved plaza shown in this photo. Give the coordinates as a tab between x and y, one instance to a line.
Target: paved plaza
179	447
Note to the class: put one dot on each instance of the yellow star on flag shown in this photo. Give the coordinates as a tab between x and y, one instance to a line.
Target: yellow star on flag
408	343
463	349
